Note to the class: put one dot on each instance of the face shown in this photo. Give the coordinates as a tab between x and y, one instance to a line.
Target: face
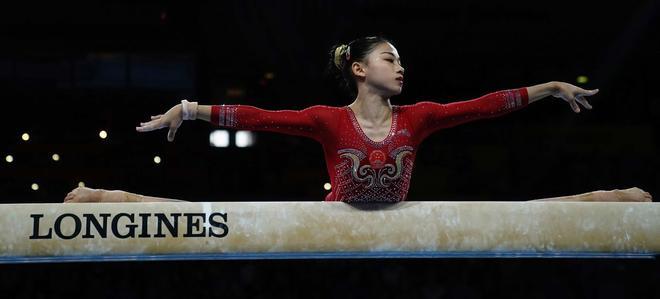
383	72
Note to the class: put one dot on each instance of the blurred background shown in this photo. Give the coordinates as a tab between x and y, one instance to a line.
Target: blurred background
76	79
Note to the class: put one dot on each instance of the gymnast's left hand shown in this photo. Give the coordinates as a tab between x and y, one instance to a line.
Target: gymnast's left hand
573	95
172	119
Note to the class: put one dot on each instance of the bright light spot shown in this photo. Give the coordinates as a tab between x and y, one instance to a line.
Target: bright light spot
25	136
582	79
327	186
103	134
244	138
56	157
81	184
35	186
269	75
157	159
219	138
9	158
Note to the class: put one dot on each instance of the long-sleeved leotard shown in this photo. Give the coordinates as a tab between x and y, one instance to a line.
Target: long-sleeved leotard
361	169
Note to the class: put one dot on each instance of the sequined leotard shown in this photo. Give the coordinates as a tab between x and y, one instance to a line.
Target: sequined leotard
361	169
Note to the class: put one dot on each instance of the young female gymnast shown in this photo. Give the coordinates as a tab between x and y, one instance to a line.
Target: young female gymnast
370	145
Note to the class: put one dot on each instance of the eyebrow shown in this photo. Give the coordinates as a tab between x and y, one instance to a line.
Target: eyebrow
391	54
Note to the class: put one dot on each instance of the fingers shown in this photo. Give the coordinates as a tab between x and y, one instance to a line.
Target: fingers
574	105
579	98
150	126
583	101
171	133
144	128
584	92
590	92
173	127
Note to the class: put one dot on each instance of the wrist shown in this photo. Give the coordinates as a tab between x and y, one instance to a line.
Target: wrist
189	110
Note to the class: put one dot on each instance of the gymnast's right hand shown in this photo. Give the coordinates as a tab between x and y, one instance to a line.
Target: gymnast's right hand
172	119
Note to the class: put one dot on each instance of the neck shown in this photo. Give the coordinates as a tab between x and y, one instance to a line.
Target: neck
372	107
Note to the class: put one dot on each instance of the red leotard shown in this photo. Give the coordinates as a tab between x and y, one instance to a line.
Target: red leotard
361	169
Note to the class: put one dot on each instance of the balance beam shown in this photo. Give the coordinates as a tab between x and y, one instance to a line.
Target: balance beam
272	230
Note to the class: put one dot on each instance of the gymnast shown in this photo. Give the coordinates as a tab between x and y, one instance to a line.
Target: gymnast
369	145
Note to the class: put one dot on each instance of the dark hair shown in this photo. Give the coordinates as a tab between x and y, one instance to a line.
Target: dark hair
339	66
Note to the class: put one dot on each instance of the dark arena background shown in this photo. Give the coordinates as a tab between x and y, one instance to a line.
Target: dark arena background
76	79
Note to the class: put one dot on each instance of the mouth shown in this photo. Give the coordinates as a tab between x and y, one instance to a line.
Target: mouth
400	79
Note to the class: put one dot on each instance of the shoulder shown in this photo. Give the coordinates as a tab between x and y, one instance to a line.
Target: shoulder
324	107
420	105
324	111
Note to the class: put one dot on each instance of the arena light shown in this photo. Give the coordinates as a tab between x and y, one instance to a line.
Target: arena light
103	134
157	159
9	158
219	138
582	79
55	157
244	138
327	186
25	136
35	186
81	184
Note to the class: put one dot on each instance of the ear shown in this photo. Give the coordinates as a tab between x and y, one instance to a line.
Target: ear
358	69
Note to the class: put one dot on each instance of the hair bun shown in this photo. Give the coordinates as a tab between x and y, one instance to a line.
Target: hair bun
339	52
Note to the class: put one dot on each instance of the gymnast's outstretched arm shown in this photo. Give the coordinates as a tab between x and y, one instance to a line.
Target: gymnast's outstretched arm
307	122
430	116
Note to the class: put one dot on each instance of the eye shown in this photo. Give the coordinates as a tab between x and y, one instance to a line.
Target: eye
392	61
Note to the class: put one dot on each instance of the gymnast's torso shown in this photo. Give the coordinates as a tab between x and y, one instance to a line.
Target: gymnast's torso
361	169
